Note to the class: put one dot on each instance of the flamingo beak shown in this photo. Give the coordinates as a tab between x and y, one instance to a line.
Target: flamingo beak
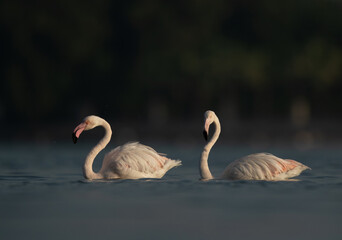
206	130
205	135
74	138
77	132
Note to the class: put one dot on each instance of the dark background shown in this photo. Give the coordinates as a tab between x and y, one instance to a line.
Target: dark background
271	70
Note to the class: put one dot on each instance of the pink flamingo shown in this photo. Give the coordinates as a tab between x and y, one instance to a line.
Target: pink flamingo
259	166
130	161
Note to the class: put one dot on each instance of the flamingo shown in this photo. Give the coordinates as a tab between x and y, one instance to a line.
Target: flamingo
129	161
259	166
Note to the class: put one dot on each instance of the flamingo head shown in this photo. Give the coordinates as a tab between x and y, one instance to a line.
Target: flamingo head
209	118
88	123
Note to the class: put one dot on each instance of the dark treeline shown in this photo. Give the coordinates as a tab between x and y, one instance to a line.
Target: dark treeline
145	59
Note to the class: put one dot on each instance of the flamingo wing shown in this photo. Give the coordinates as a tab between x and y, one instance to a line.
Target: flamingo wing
135	160
263	166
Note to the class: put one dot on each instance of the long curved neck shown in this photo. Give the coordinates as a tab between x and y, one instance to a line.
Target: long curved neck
204	168
88	164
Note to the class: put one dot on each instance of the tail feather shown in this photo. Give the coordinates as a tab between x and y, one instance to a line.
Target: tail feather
170	163
293	164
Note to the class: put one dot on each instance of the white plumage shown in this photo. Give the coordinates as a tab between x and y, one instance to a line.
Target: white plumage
129	161
259	166
262	166
135	160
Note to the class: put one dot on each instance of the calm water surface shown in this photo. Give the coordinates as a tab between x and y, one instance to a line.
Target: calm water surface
44	196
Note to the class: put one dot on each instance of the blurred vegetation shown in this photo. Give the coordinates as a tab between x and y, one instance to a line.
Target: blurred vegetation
131	58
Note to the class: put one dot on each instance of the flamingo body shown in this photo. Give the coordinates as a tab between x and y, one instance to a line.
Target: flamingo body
262	166
134	161
259	166
129	161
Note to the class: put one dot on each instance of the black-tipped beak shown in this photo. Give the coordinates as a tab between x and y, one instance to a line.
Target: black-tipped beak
74	138
205	135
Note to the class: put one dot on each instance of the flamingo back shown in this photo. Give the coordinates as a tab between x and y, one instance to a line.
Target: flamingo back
135	160
263	166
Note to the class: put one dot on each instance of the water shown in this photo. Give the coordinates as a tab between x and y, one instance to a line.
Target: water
44	196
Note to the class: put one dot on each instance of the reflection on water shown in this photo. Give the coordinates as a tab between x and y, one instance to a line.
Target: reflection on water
44	196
